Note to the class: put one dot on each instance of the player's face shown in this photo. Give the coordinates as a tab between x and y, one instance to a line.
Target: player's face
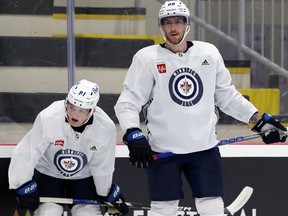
76	115
174	28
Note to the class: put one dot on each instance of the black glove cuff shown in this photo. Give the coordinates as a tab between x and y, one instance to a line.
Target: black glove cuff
258	126
102	198
130	130
27	188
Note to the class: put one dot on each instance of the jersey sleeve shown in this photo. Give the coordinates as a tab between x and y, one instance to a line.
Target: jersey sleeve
26	155
228	99
136	93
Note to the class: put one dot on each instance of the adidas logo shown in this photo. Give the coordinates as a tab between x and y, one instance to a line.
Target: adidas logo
205	62
93	148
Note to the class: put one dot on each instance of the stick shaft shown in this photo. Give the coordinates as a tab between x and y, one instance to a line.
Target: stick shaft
238	139
246	137
81	201
68	201
230	210
221	143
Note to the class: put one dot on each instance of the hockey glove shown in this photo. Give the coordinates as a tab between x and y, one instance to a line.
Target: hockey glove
116	201
274	127
140	153
112	211
27	196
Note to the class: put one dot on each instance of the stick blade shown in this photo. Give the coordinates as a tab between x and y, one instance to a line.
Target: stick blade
240	201
56	200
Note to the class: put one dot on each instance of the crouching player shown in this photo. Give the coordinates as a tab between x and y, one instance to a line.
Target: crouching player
69	152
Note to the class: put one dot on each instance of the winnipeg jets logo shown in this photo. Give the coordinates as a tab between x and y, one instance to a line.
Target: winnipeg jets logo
69	162
185	87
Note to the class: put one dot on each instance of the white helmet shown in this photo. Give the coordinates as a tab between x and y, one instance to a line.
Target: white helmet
174	8
84	94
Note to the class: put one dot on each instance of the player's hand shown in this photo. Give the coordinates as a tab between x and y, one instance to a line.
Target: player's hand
112	211
275	130
116	201
27	196
140	153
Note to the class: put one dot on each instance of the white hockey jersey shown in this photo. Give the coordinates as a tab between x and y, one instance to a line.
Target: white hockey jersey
55	149
179	92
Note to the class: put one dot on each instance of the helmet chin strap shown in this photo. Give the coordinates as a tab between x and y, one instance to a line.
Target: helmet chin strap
164	36
89	116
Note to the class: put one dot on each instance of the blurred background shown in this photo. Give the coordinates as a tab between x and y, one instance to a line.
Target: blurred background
46	46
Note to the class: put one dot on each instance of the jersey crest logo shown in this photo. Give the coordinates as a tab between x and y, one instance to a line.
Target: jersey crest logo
69	162
185	87
161	66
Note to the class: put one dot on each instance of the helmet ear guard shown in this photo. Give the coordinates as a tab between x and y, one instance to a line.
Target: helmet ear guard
84	94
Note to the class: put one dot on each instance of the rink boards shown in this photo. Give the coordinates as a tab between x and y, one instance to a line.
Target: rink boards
247	149
263	167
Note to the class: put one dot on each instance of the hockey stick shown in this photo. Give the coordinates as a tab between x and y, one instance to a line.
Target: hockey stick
82	201
222	142
230	210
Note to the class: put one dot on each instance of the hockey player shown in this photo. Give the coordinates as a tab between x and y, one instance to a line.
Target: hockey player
69	152
177	84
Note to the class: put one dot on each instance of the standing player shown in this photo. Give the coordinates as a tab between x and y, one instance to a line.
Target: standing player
69	152
178	84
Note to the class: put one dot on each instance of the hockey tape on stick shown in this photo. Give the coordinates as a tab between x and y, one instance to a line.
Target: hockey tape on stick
230	210
222	142
240	201
234	207
69	201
